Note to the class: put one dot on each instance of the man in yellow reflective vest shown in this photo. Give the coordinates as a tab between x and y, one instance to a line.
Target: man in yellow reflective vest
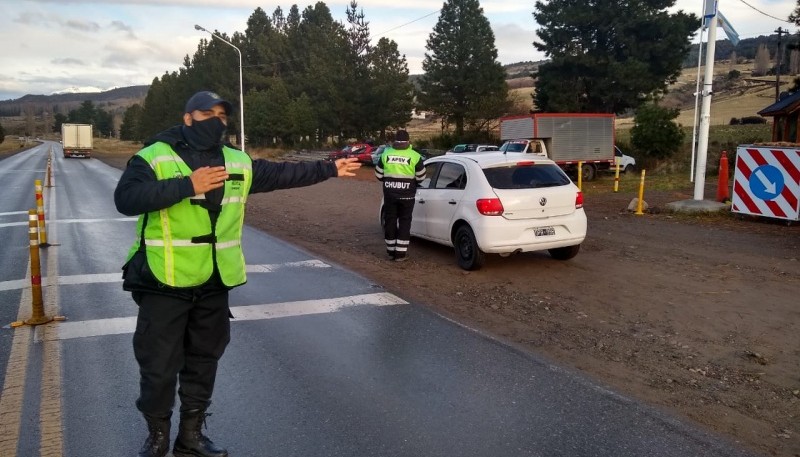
189	189
399	170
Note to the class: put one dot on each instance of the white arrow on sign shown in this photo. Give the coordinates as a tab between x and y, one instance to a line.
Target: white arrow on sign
769	186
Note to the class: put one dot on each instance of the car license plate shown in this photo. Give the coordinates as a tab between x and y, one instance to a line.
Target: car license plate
544	231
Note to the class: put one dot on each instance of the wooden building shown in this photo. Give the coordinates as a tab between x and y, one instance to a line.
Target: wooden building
786	114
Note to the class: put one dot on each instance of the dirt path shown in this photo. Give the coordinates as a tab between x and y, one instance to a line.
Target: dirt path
700	316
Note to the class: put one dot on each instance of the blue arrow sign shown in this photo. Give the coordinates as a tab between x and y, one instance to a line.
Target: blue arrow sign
767	182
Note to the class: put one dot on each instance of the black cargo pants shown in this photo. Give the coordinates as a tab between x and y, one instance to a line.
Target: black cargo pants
397	228
179	340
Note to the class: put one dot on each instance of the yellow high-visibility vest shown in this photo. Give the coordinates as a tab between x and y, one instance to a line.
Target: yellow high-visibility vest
179	241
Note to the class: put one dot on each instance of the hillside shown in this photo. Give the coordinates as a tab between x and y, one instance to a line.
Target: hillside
737	97
115	101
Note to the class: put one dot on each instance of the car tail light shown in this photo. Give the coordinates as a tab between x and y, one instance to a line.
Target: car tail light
579	200
490	206
527	163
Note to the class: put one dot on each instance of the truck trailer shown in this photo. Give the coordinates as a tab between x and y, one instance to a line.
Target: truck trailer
567	139
76	140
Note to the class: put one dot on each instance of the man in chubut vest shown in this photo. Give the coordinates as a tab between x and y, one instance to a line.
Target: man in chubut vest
399	170
189	187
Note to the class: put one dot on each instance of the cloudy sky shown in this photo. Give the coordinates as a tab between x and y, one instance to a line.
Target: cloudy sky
58	45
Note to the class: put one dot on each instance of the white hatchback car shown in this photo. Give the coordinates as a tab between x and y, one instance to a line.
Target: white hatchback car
491	202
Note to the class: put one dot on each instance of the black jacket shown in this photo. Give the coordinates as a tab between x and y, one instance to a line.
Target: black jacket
139	192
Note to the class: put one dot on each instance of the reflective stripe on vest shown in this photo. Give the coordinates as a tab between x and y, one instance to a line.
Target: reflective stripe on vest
399	163
179	241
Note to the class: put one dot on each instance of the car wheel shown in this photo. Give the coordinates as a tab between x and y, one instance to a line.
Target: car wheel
629	169
588	172
565	253
468	255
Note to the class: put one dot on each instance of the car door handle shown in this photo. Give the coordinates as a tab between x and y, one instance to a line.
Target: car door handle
421	200
452	202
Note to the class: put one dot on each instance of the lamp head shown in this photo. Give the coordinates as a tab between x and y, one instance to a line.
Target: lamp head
197	27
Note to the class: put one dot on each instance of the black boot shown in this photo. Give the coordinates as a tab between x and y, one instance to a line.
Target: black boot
157	442
191	441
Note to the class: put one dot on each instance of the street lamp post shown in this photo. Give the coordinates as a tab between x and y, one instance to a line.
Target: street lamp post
241	85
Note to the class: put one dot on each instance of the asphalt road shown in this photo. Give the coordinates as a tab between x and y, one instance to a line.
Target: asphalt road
321	363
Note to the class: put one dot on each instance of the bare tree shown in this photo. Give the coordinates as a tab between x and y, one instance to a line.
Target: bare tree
794	62
763	61
30	124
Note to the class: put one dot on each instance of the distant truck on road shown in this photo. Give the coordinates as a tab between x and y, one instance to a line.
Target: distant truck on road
566	138
76	140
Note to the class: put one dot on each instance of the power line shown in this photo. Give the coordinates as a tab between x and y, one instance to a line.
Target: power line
407	23
765	14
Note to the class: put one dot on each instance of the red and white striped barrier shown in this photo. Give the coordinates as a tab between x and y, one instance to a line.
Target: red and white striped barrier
767	182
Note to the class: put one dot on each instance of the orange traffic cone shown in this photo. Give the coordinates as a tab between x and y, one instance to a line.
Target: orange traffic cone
722	183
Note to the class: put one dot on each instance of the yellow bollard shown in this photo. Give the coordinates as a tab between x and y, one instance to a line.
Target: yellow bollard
40	212
580	176
640	203
38	316
49	167
616	178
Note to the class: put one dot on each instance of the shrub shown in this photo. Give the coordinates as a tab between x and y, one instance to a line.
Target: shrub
753	120
655	134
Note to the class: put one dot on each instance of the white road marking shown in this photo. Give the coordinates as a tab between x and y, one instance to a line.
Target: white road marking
51	442
274	267
117	277
73	221
13	213
13	224
123	325
16	284
85	221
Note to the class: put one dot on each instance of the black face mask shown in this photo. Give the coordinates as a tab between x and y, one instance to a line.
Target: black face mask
205	135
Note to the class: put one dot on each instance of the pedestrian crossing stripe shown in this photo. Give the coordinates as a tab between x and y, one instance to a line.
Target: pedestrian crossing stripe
126	325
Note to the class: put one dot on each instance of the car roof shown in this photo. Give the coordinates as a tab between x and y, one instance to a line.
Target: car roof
490	159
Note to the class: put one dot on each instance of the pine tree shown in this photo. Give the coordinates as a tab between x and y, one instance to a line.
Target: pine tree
391	94
608	55
462	75
131	124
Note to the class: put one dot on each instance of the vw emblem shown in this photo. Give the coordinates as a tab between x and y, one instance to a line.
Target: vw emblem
543	201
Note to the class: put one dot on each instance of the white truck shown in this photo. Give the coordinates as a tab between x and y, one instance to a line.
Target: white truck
567	139
76	140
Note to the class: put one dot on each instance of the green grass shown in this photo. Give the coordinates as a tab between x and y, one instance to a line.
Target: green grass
629	183
720	138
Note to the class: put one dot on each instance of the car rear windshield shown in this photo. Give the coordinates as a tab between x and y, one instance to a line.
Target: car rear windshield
526	176
513	146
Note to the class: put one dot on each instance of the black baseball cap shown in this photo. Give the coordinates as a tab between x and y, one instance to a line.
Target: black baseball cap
401	135
205	100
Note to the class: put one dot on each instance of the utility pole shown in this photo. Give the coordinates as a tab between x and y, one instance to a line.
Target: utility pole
705	112
779	58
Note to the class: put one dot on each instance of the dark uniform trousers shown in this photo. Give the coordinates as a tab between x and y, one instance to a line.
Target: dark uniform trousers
397	228
179	339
